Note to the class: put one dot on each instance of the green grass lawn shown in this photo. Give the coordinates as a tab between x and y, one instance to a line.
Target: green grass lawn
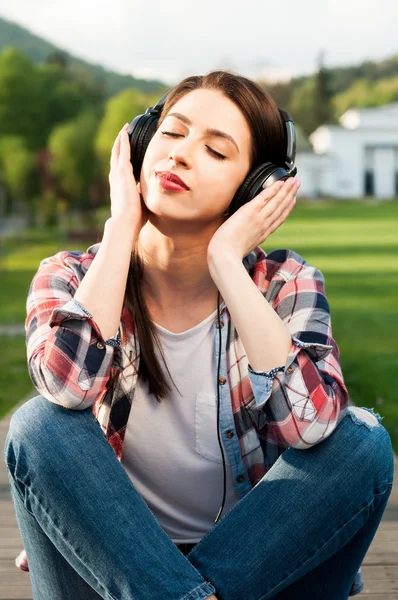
19	261
15	382
354	244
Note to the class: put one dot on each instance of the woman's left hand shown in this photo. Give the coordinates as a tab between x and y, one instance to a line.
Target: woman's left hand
253	222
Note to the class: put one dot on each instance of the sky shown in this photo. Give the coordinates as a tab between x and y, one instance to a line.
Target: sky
170	39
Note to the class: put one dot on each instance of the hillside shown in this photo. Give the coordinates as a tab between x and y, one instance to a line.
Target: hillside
312	100
324	96
40	51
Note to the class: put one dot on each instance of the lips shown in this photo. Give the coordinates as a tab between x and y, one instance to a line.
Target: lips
166	176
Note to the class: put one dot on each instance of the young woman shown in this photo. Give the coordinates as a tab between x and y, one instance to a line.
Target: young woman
117	468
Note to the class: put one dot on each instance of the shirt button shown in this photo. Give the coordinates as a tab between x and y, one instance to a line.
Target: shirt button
222	380
289	370
240	478
229	433
221	324
100	346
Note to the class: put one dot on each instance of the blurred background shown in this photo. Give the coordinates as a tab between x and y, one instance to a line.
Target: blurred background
71	74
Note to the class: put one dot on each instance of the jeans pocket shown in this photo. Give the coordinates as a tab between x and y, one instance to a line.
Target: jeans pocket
206	440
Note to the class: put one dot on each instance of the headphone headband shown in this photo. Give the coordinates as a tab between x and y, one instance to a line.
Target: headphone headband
287	120
156	109
143	127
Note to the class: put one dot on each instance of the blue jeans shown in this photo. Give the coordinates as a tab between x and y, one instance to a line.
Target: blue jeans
302	532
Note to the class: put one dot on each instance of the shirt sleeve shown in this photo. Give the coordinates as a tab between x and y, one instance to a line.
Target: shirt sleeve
69	362
304	401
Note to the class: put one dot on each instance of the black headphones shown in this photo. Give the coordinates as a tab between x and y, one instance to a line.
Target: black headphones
143	127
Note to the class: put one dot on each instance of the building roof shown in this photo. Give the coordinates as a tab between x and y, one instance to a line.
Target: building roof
378	117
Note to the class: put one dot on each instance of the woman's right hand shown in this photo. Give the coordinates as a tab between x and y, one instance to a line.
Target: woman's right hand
126	201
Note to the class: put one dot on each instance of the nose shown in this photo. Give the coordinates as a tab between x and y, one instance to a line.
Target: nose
181	153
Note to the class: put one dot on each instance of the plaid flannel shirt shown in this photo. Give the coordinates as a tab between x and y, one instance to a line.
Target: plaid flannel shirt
300	405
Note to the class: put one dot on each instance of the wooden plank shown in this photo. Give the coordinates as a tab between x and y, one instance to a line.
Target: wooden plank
11	532
8	519
382	535
6	504
387	526
10	552
7	565
13	543
380	556
378	586
379	572
390	547
14	579
23	592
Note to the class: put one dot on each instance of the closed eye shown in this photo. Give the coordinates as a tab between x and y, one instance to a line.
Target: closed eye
210	150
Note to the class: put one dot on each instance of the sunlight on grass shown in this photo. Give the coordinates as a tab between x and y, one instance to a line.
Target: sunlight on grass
355	245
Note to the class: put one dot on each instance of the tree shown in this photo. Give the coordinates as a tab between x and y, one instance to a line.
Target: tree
322	94
73	163
302	105
59	58
363	93
19	97
18	172
119	109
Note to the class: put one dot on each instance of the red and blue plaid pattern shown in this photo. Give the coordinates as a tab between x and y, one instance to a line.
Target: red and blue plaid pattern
70	363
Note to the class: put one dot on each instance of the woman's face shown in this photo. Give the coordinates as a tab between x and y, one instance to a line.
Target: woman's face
192	153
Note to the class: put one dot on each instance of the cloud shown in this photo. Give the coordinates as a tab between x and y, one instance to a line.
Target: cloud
174	38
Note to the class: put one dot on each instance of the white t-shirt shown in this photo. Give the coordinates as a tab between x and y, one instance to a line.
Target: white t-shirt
180	475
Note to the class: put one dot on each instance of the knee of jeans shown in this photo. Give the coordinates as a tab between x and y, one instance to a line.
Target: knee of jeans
31	420
379	451
361	415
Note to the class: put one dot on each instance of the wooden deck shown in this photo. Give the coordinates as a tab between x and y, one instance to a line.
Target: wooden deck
380	568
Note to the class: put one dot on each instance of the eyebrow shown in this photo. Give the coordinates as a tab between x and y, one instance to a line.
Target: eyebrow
213	132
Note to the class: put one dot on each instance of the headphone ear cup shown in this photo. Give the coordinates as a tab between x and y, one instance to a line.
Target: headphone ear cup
141	131
261	177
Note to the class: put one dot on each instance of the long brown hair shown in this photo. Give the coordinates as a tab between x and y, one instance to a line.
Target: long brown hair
266	126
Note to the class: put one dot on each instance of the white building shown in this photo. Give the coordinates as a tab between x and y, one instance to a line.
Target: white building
357	158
